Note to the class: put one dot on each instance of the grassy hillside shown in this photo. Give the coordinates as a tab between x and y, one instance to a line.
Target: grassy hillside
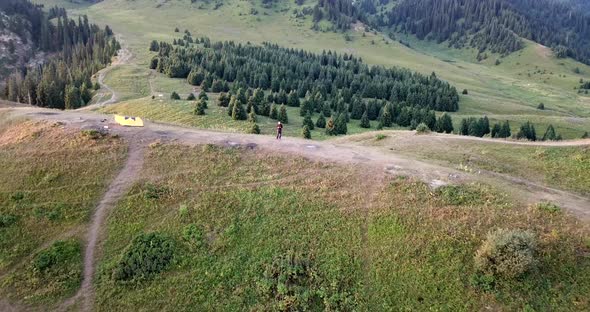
506	90
238	220
50	181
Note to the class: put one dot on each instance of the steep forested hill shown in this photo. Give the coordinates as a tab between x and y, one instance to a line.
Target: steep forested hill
77	50
494	25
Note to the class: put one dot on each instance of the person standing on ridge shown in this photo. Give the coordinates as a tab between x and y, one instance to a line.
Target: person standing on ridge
279	130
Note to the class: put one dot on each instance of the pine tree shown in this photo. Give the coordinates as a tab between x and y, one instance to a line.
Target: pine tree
585	135
223	100
233	102
283	115
321	122
174	96
326	110
191	97
464	127
238	112
505	131
203	95
306	133
72	97
340	124
154	46
200	108
293	99
330	127
496	129
550	134
252	117
308	122
254	129
274	113
386	117
365	122
444	124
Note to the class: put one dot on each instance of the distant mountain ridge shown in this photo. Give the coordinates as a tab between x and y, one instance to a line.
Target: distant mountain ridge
487	25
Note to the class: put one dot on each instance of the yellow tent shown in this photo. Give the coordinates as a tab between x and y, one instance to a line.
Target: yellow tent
129	121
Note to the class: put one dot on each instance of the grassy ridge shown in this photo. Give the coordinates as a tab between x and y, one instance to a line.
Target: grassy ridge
405	247
560	167
50	181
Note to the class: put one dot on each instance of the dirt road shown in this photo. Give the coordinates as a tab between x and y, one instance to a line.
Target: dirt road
332	151
123	57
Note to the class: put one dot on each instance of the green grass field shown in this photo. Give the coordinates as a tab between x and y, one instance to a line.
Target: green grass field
511	90
50	182
369	246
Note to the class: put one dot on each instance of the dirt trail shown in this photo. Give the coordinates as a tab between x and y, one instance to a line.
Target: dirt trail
123	57
117	189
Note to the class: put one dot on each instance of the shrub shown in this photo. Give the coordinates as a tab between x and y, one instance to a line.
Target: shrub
507	253
548	207
380	137
152	191
92	134
7	220
292	282
191	97
174	96
59	253
422	128
147	255
465	92
541	106
17	196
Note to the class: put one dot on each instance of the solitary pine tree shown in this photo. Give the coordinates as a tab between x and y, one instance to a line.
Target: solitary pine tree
174	96
585	135
191	97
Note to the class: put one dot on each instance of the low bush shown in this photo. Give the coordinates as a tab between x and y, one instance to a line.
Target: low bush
7	220
60	253
147	255
292	282
506	253
422	128
548	207
152	191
